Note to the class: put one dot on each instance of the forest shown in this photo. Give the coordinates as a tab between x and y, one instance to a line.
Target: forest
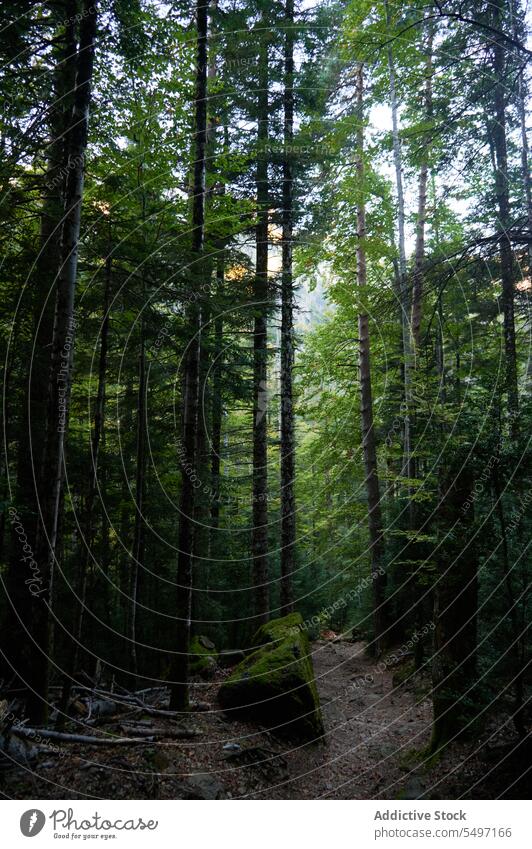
266	291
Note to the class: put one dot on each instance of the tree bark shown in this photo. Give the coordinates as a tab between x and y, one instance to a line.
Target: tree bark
419	256
87	523
179	699
369	448
498	131
29	491
288	504
216	416
59	387
260	394
525	155
525	161
137	559
403	283
413	552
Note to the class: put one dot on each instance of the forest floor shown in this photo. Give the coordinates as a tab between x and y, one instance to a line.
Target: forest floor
376	731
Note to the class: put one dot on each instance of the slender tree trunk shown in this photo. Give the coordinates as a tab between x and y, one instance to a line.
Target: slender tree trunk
29	486
137	559
260	339
7	429
525	162
397	158
525	154
203	458
202	509
216	414
419	256
498	131
87	523
288	504
403	283
179	699
419	259
59	388
138	548
417	306
366	409
215	409
124	562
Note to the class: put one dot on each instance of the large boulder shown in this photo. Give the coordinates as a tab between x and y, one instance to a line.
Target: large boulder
203	657
277	630
275	683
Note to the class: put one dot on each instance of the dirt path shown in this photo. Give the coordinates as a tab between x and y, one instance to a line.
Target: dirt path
371	729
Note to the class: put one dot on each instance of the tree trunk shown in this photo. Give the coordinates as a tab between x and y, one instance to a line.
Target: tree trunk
202	508
216	417
260	393
366	409
403	284
137	559
413	549
419	256
59	387
288	505
179	699
498	131
525	155
29	485
87	523
124	560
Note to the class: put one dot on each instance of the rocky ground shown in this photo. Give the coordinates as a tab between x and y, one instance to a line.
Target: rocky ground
377	726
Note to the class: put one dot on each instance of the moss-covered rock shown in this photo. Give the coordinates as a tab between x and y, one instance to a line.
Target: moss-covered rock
275	684
278	629
203	657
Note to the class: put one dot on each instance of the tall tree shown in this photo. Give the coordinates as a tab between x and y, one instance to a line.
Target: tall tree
288	505
189	406
498	133
369	448
60	380
421	222
403	282
87	523
29	482
260	342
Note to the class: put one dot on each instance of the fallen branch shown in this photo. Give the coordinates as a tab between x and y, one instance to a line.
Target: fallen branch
118	698
132	700
169	714
63	737
170	733
107	720
198	707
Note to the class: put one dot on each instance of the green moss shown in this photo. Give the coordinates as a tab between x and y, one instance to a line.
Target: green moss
202	657
278	629
275	684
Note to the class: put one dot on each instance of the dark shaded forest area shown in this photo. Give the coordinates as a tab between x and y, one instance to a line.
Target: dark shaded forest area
266	279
